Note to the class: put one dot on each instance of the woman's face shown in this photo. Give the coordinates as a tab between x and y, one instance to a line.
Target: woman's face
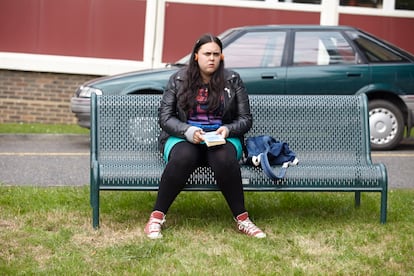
208	57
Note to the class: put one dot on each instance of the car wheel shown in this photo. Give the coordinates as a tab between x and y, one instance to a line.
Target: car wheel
386	125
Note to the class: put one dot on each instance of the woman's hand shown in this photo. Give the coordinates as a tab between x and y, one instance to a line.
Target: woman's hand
223	131
198	137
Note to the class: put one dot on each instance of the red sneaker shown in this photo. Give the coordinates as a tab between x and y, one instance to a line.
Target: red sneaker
153	227
246	226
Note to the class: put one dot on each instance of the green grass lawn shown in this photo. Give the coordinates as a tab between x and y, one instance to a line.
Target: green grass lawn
47	231
54	128
42	128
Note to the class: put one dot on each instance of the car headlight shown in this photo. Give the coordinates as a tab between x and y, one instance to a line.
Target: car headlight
86	91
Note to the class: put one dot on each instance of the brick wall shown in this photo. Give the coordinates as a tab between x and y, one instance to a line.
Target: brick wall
36	97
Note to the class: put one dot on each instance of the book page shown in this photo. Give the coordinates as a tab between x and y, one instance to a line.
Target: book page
213	139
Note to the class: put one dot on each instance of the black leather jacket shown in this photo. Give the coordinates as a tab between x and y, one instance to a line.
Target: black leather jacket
236	116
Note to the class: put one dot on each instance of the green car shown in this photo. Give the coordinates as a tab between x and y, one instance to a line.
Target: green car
299	60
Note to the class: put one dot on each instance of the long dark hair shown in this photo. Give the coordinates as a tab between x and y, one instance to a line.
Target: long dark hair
193	82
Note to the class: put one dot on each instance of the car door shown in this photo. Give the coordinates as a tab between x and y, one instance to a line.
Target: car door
324	62
257	55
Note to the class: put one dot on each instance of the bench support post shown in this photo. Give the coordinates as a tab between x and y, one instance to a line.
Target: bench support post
357	199
384	206
94	190
95	213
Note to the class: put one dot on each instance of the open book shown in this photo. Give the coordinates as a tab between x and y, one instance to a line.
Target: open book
213	139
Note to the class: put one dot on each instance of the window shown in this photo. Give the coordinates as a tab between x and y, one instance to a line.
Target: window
302	1
404	4
374	52
362	3
297	1
256	49
322	48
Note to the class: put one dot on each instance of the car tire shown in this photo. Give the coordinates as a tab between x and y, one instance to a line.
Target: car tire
386	124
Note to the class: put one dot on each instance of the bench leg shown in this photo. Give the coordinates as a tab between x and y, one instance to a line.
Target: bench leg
384	206
95	209
357	199
94	190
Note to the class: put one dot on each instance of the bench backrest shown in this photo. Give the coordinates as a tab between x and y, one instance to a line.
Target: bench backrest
320	129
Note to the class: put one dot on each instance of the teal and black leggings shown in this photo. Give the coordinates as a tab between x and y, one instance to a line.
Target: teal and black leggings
185	157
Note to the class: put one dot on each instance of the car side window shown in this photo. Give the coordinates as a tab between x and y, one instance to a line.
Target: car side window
374	52
256	49
322	48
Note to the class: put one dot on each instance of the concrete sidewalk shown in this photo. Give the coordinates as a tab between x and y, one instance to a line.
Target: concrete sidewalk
63	160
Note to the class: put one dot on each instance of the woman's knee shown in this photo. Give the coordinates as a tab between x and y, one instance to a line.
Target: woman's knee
223	156
184	153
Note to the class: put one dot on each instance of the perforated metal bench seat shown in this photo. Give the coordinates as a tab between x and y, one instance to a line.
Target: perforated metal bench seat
330	135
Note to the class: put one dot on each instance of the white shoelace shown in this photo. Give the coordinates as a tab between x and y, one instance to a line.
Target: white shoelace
155	225
248	227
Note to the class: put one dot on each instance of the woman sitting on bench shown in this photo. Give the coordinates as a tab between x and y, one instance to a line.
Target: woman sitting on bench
200	98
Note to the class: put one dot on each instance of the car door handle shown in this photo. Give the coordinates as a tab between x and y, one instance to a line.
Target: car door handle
353	74
269	76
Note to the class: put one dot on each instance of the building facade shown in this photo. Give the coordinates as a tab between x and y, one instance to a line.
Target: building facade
60	44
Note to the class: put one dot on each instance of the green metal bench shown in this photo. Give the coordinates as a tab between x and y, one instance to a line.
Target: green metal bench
330	135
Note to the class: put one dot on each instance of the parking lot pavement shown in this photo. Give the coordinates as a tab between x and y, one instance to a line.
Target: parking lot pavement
399	164
63	160
44	160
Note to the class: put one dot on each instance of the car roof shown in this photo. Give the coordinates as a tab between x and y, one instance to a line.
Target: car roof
295	27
